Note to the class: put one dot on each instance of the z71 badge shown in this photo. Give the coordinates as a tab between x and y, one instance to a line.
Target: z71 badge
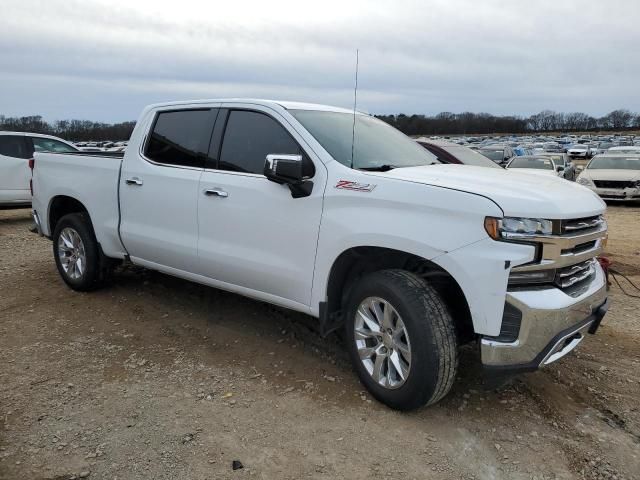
355	186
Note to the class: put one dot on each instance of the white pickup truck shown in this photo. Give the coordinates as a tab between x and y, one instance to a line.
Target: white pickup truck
342	217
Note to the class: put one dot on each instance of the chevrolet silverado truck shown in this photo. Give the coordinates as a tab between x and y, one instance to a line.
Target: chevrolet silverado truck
336	214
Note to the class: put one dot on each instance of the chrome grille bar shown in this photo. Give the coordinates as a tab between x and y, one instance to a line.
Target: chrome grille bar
568	276
570	226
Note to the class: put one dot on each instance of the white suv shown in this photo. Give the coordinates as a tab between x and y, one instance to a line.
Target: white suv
16	149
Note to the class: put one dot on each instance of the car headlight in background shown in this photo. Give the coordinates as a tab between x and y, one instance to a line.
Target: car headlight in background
514	227
585	181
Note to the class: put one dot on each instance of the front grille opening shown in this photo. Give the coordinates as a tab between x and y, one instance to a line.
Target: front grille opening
580	248
614	183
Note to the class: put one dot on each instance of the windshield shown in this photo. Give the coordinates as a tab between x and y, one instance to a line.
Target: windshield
579	147
537	163
375	145
469	157
495	155
614	163
557	159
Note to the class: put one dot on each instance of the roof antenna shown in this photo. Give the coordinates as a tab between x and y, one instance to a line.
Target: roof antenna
355	101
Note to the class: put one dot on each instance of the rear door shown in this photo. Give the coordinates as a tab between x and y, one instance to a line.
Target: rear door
14	169
253	234
159	189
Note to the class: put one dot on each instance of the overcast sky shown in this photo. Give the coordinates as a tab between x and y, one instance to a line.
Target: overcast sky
105	60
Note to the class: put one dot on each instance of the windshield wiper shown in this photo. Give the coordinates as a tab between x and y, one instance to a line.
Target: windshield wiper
380	168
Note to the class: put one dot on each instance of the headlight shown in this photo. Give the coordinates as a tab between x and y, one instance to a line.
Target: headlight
584	181
515	228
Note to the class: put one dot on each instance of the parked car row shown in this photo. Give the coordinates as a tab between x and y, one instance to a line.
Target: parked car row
502	148
556	163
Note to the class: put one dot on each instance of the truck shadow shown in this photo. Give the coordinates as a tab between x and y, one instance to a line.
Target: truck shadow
262	335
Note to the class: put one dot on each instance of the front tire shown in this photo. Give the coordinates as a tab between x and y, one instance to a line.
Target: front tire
401	339
77	253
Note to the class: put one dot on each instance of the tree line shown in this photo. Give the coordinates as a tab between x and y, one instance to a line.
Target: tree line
73	130
484	123
443	123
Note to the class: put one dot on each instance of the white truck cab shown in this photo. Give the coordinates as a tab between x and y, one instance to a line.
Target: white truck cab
340	216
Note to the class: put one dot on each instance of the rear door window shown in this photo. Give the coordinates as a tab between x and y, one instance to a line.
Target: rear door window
250	136
14	146
181	137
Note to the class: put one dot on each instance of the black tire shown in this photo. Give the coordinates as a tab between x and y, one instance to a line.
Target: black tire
431	332
94	273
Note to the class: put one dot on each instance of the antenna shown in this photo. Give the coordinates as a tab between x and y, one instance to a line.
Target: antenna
355	102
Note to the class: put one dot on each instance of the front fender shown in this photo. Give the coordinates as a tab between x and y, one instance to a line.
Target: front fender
423	220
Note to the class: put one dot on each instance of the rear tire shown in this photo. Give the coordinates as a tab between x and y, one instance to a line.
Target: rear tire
77	253
414	360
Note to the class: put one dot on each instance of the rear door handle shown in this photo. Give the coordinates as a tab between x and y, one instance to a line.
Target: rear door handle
218	192
133	181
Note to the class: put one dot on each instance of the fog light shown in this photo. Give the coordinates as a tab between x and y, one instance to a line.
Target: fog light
534	277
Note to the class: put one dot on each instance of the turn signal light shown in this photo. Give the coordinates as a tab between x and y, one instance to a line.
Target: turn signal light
492	226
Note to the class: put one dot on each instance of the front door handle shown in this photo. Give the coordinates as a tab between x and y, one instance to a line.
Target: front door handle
218	192
133	181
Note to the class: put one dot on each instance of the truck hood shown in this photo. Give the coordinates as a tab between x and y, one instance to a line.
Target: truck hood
517	194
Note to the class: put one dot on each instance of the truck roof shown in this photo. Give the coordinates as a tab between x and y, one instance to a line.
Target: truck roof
288	105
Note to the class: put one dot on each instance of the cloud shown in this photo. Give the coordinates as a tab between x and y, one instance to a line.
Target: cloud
105	60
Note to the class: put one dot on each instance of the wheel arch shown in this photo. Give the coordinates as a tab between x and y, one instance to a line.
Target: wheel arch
62	205
356	262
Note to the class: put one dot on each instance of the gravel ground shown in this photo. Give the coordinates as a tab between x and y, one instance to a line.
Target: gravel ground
155	377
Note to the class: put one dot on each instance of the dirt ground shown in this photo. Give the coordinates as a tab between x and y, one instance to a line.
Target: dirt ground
158	378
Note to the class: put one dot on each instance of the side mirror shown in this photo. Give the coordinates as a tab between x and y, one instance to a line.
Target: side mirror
287	170
560	168
283	168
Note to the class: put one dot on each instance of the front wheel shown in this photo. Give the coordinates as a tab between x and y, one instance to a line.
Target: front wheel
401	339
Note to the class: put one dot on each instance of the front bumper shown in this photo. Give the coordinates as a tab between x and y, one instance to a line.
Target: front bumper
618	194
552	323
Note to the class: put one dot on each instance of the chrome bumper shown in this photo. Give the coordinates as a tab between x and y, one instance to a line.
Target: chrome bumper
553	322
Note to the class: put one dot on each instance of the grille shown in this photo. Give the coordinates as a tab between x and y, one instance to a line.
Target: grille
578	225
568	276
614	184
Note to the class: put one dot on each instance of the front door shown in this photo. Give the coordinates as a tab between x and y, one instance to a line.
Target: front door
253	234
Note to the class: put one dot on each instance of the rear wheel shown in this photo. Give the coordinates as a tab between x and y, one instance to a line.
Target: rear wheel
401	339
77	253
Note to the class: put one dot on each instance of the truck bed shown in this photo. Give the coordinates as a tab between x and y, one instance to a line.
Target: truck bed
92	178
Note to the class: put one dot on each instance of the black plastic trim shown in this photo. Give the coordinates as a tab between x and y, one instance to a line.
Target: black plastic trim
510	327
